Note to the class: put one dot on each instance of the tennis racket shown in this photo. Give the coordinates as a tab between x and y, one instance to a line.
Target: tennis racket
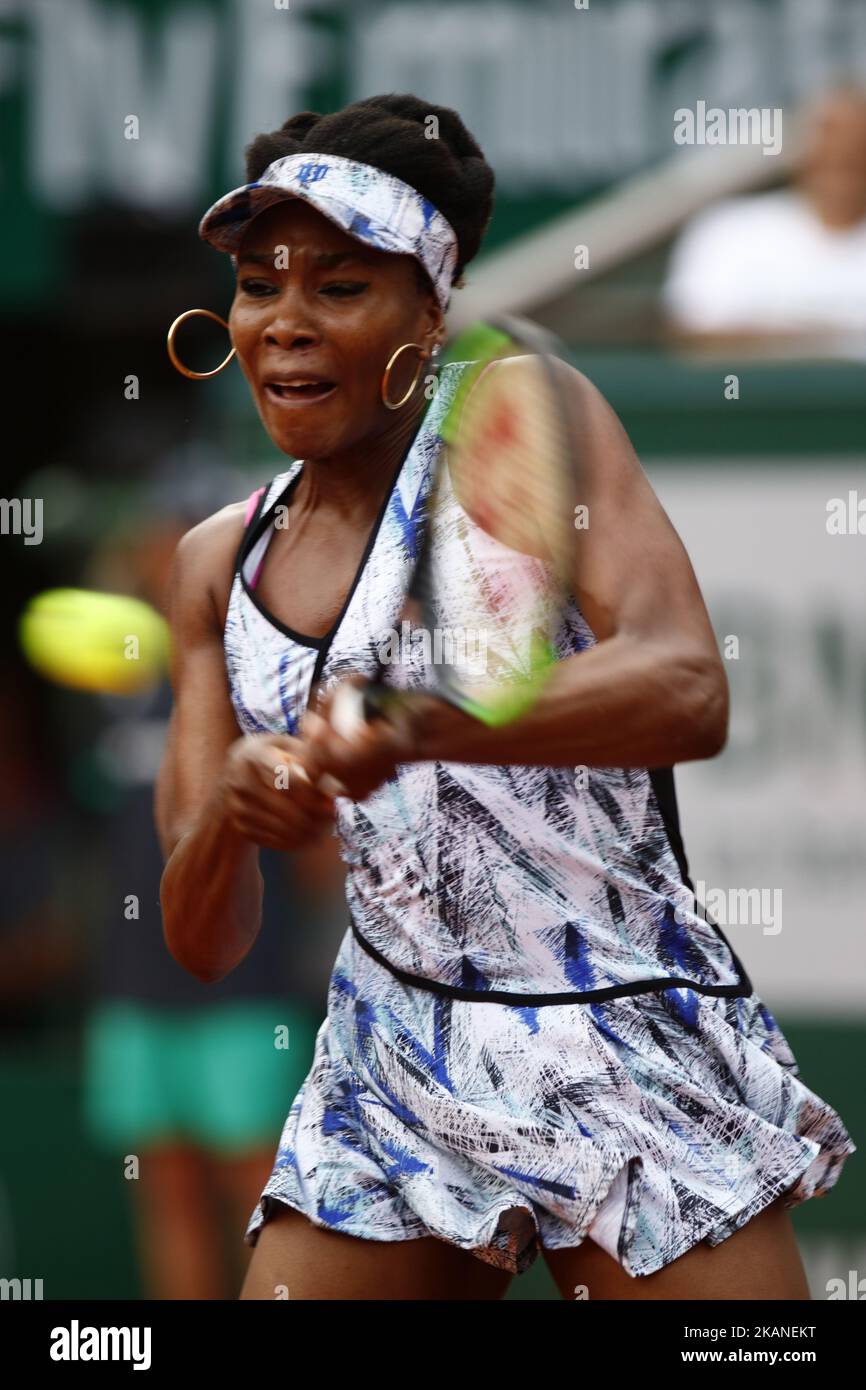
494	561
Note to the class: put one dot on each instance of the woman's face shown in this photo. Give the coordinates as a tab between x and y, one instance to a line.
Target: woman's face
311	301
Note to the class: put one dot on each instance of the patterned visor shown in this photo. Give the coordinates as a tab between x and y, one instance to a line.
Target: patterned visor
370	205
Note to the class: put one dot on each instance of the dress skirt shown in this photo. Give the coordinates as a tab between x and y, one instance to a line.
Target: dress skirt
650	1122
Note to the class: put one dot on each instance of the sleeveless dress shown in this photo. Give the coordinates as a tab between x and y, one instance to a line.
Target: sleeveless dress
532	1035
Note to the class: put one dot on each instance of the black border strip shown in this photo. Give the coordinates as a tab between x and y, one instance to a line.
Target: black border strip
498	996
250	525
256	529
664	790
240	548
254	532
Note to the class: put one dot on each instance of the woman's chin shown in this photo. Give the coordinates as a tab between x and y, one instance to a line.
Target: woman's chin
298	440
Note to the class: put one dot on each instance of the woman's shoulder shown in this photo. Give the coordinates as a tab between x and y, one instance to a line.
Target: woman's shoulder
209	551
230	522
206	553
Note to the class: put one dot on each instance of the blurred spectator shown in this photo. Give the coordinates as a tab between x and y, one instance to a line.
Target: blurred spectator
784	270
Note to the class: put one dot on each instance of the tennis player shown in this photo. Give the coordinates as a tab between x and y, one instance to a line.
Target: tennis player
534	1042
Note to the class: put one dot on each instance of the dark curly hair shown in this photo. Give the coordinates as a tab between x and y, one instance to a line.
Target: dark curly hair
387	131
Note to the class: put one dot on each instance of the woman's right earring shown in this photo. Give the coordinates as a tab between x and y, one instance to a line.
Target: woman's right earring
175	360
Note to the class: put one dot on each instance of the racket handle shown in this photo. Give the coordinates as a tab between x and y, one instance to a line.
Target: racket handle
355	706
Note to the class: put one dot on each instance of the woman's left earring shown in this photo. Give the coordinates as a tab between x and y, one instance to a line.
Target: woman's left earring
175	360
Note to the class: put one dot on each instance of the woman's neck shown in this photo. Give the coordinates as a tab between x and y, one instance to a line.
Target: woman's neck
352	486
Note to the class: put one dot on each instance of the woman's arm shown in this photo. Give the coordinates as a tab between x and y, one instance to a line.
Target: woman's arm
653	691
220	794
211	888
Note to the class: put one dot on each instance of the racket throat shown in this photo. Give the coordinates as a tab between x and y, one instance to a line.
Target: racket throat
376	702
355	706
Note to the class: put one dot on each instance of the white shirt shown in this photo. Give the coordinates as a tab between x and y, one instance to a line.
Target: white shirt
766	261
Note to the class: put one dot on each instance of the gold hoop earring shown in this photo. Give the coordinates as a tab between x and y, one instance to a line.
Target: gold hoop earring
175	360
383	389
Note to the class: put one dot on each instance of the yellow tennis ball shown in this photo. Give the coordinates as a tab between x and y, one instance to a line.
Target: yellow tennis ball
93	641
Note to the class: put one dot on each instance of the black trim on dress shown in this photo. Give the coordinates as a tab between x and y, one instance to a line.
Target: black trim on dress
741	989
256	529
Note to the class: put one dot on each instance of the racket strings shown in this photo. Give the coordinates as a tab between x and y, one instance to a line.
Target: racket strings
493	606
488	588
510	466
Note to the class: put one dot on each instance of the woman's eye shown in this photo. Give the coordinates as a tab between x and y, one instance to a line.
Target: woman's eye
342	289
337	289
257	288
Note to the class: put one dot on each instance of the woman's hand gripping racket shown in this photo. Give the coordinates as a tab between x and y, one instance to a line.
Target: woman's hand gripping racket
493	574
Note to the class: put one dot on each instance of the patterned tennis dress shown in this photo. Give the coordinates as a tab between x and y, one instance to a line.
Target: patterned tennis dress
532	1032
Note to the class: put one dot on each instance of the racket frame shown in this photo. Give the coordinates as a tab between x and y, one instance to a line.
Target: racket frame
375	699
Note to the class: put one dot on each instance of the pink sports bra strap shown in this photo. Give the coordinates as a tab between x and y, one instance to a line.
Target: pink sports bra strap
253	503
